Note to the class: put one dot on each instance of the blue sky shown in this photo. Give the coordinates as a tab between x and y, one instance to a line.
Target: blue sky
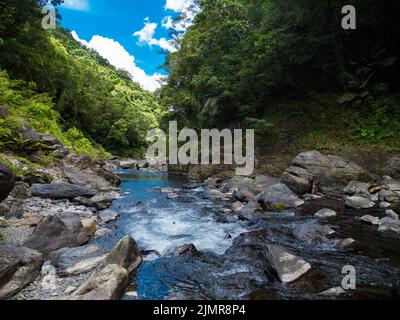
129	33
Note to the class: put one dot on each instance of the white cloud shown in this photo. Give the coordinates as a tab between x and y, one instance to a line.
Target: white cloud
79	5
146	36
117	55
188	9
167	22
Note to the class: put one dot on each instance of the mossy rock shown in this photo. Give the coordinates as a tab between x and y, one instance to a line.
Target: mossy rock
278	207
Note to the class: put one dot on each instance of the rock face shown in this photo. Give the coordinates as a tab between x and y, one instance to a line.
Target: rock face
287	266
125	254
357	202
279	194
7	181
109	284
313	167
393	167
19	266
61	191
59	231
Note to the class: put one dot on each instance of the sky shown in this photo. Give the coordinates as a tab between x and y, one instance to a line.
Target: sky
130	34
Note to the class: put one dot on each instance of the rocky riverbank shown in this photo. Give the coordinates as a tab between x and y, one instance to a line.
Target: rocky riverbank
51	231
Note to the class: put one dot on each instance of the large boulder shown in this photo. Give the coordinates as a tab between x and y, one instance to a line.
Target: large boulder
19	266
287	266
7	181
393	167
58	231
279	194
61	191
310	168
108	284
86	178
125	254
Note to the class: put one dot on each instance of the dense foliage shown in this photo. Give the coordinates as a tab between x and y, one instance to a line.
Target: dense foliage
244	62
93	99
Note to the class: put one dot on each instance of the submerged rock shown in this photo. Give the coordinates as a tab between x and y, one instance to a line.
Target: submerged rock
19	266
182	250
312	233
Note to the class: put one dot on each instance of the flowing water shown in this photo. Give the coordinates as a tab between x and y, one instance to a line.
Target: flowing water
159	224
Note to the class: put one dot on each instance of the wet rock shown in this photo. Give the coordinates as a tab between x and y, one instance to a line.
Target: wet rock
333	292
391	215
388	224
214	194
182	250
389	196
311	197
370	219
287	266
279	194
108	216
244	195
357	202
384	205
313	233
7	181
60	191
191	185
19	266
108	284
59	231
326	213
357	188
172	196
299	180
74	261
346	243
125	254
237	206
249	210
102	232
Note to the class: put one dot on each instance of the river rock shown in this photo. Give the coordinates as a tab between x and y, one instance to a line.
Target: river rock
357	188
89	224
391	214
182	250
384	205
279	194
287	266
21	191
313	233
58	231
357	202
60	191
171	196
86	178
7	181
388	224
237	206
108	216
125	254
104	200
248	210
346	243
326	213
19	266
73	261
108	284
299	180
389	196
214	194
244	195
370	219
